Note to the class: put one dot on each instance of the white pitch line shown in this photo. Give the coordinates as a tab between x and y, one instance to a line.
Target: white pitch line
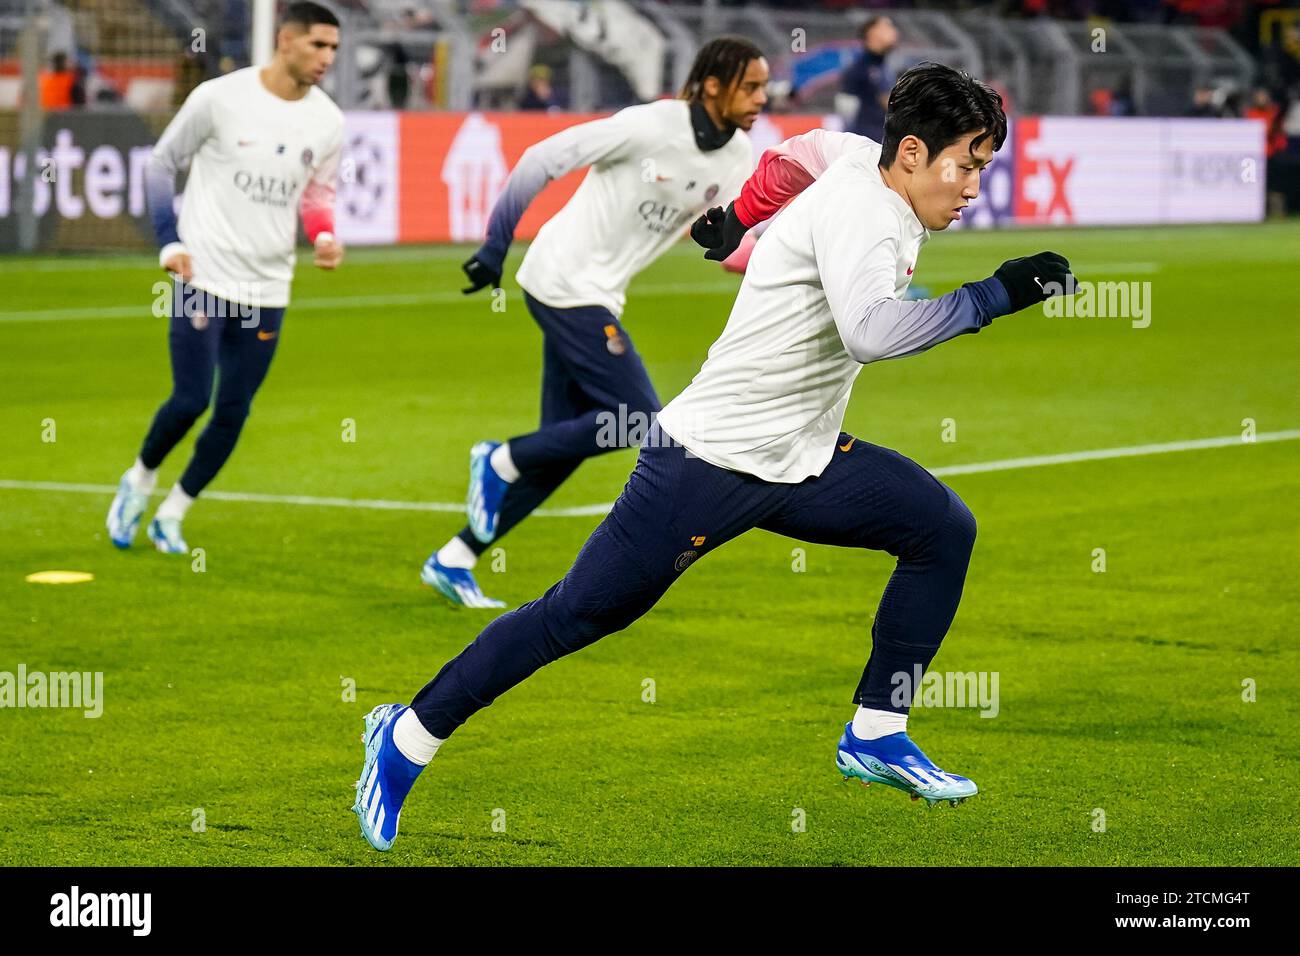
448	297
143	310
126	262
582	511
374	504
1130	451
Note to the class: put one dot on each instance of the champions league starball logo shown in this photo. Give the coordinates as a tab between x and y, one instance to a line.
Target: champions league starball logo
363	185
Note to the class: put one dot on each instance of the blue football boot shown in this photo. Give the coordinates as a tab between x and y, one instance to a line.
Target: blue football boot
486	489
165	533
457	584
897	762
125	511
386	778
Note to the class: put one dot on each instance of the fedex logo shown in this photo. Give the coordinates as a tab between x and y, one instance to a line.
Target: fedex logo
1073	170
1042	180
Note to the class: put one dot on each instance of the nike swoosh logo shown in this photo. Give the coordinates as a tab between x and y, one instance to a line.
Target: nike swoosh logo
909	270
266	336
848	444
1040	283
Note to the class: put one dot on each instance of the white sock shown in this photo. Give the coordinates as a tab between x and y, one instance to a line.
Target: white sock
871	724
415	743
503	464
142	479
456	554
175	504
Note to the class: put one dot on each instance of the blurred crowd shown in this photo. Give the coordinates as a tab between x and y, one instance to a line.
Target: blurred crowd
402	73
1228	14
399	64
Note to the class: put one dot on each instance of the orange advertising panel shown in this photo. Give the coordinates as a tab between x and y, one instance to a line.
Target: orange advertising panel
452	167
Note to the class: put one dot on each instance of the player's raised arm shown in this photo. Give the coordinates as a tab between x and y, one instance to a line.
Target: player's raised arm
187	131
931	161
317	208
783	171
875	325
858	263
601	140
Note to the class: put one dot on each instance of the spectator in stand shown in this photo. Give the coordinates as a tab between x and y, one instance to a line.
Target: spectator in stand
1263	107
79	81
1099	101
869	79
399	77
1233	105
1203	103
57	84
1123	102
1112	101
539	94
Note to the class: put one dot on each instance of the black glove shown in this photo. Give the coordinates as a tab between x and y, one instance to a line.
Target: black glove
719	232
1035	279
480	274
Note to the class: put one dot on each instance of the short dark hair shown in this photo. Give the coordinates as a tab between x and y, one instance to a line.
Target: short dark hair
939	105
724	57
306	14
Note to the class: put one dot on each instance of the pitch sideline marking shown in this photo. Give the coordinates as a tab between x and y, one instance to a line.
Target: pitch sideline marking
449	297
379	504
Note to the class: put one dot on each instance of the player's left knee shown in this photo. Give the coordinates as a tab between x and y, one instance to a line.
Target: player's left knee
231	414
956	537
577	617
567	630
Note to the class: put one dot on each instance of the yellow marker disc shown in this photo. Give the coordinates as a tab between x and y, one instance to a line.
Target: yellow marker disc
59	577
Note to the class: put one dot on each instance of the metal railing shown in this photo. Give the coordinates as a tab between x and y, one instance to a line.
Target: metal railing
1042	65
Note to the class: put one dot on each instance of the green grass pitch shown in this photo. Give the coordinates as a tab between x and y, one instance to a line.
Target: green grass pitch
1121	692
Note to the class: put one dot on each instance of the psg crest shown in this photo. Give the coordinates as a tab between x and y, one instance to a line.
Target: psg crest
614	340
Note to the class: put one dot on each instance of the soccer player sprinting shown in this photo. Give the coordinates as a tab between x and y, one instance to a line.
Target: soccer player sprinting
654	168
755	442
260	143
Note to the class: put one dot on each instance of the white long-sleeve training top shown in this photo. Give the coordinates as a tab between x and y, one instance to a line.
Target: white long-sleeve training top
254	159
820	298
